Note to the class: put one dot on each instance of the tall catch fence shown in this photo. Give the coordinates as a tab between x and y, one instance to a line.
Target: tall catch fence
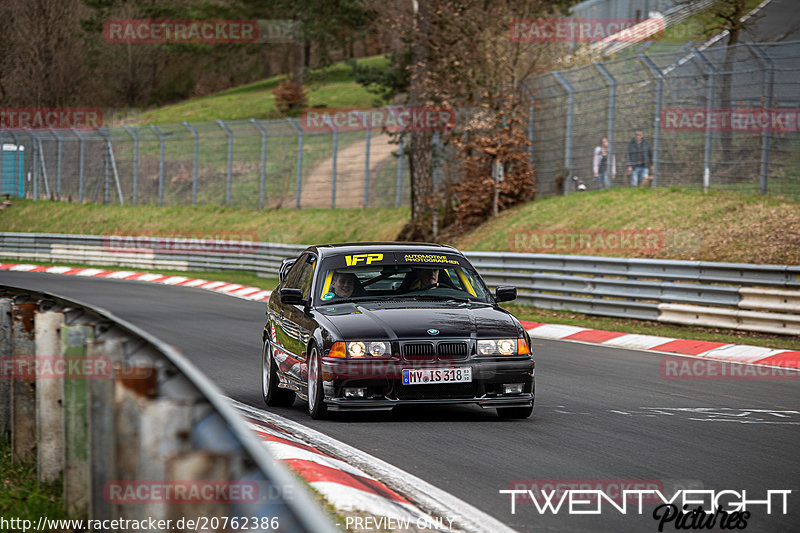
243	163
715	118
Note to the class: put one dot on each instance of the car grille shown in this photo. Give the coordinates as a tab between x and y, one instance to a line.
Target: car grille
426	351
418	351
452	350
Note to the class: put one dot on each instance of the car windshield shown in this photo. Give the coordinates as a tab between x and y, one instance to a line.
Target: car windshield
379	282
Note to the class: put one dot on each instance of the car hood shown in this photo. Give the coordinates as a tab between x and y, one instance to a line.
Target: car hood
412	320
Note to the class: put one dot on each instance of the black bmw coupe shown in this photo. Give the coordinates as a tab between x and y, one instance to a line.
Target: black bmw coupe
369	326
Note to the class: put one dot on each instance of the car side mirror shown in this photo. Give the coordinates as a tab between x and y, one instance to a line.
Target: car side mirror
292	296
505	293
286	264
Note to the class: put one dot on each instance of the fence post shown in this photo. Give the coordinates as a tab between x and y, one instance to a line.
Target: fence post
612	112
531	132
76	419
81	158
657	119
59	143
334	160
161	139
195	151
568	137
132	133
366	164
49	399
767	93
109	346
399	192
23	388
230	161
298	189
112	164
6	350
34	166
263	177
709	106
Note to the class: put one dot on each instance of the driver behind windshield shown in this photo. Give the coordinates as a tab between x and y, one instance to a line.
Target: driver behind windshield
343	284
428	278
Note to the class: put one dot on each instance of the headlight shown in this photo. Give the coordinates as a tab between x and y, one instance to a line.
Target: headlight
497	347
359	349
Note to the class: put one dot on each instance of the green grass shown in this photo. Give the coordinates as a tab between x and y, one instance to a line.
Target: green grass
307	226
333	87
647	327
713	226
21	496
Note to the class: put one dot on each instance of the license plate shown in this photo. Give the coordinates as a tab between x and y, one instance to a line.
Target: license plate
428	376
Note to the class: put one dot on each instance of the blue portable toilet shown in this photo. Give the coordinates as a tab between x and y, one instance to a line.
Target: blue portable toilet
12	174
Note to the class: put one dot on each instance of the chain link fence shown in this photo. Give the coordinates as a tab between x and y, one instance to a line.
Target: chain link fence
715	118
244	163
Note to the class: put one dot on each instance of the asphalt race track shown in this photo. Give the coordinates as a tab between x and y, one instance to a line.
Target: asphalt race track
601	414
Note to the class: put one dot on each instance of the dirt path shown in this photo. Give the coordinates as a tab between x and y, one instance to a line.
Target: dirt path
349	174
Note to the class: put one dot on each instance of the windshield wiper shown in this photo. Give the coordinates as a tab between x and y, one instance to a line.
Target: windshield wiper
432	297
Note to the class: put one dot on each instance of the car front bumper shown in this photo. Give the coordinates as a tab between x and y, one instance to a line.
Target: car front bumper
381	382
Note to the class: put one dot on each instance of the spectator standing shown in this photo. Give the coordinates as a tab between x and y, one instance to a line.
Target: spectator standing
639	159
600	165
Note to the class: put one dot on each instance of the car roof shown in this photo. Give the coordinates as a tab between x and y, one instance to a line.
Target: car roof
357	247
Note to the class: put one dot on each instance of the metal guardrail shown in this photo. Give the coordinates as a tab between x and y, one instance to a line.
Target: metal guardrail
130	411
607	286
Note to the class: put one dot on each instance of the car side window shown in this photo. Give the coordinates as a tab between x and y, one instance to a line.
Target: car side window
301	274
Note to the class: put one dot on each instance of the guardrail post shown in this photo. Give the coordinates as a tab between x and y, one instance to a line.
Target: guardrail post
108	346
229	173
299	161
23	387
612	111
568	136
161	140
74	338
165	426
767	98
49	398
5	353
709	106
132	133
81	161
133	385
657	119
263	177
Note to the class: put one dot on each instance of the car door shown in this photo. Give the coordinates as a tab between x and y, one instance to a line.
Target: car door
295	326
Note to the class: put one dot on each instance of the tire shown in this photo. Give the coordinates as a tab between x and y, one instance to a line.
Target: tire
317	408
272	394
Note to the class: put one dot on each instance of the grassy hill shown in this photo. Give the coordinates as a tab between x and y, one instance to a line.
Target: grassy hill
333	88
716	226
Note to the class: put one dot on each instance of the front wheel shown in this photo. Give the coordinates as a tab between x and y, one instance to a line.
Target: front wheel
273	396
317	408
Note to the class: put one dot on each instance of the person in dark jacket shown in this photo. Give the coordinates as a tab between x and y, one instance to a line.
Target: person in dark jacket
639	159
